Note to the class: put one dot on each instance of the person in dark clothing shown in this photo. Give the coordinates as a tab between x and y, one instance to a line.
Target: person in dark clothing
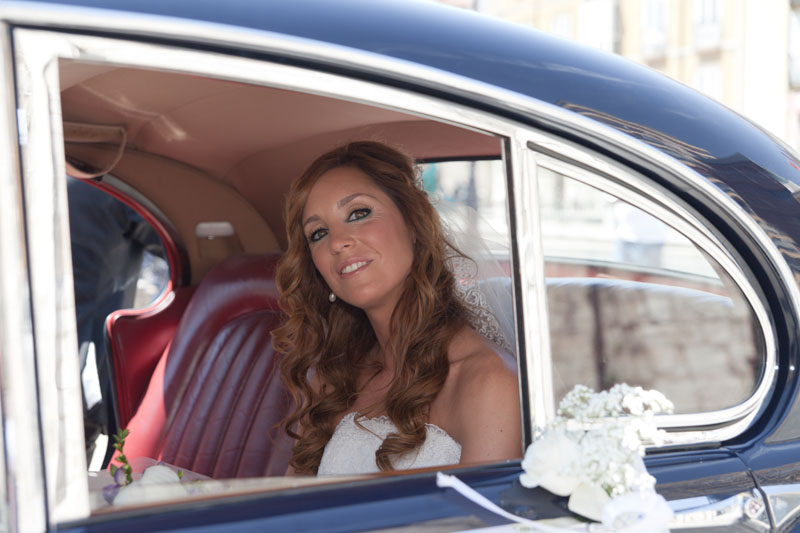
109	240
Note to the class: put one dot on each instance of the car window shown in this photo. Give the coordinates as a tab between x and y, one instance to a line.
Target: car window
152	280
633	300
229	200
471	199
118	262
473	192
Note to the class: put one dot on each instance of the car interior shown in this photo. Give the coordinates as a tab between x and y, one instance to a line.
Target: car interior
215	195
207	162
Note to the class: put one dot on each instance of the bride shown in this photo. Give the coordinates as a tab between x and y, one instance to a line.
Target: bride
379	350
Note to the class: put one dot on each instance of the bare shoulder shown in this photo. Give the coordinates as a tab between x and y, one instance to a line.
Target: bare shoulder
483	405
477	366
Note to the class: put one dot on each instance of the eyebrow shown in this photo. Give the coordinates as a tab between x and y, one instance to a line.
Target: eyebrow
347	199
341	203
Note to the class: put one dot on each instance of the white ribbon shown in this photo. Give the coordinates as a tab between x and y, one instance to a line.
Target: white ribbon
637	512
452	482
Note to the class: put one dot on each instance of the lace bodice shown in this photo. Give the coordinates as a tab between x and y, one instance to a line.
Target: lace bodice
351	449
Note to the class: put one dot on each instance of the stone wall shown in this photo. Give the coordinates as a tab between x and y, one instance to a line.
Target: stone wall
696	347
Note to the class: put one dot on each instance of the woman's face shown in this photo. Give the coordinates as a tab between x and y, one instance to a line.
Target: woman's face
358	239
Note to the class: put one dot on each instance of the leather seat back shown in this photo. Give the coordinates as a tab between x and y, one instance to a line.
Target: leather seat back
136	340
215	398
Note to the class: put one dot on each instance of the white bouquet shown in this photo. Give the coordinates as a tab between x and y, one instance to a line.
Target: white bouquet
592	452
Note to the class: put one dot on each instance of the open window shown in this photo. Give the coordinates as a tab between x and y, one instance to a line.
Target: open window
118	265
205	146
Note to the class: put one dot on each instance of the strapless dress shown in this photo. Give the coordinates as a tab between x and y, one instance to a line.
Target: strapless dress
351	449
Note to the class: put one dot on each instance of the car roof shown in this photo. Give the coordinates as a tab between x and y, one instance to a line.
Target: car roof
510	56
606	88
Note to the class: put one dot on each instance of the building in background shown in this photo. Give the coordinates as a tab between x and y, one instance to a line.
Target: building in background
743	53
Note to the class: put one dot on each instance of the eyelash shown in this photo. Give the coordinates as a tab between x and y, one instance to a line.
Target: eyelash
362	212
367	211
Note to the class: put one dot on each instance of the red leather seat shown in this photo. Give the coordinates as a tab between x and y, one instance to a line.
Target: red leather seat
137	340
215	397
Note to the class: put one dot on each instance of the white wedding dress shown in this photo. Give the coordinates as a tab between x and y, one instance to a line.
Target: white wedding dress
351	449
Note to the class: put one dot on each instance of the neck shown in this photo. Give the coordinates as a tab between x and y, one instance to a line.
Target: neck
380	322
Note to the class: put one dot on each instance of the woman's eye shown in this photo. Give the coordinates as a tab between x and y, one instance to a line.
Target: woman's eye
316	235
358	214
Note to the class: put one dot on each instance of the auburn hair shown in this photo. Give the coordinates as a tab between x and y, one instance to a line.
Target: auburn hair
333	339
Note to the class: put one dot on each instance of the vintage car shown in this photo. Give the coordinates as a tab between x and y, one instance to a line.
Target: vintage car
648	235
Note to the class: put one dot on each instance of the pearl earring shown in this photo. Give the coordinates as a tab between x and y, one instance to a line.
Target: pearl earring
331	297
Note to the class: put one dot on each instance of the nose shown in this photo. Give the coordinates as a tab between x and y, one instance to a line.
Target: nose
339	240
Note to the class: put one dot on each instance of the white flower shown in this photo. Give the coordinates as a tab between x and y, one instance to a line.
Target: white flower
157	483
592	450
633	404
158	474
550	462
588	500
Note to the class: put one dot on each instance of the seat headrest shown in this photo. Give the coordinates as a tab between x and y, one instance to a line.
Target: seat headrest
239	284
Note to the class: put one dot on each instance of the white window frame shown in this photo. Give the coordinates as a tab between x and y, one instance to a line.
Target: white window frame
655	26
708	16
708	78
794	47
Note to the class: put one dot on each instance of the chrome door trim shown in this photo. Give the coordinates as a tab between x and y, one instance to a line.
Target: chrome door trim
747	510
44	187
21	471
784	500
533	291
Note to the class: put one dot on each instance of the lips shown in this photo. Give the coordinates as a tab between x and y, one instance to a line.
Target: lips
353	266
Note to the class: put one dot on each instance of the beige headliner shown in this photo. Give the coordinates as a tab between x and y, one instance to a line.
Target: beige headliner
243	143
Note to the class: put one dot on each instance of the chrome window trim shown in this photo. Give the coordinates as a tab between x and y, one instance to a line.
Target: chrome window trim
734	419
613	178
44	188
21	468
141	25
532	297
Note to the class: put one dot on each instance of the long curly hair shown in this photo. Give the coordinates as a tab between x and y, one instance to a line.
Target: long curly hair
335	339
